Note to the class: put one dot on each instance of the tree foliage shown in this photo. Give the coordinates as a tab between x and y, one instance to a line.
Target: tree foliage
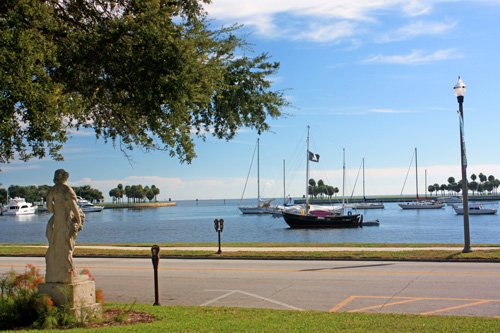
89	193
489	184
151	74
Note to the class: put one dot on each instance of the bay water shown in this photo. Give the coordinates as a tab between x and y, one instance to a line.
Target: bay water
192	221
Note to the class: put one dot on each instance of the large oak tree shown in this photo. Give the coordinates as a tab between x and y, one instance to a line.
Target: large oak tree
151	74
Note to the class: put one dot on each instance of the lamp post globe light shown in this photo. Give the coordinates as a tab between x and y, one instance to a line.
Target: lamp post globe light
460	90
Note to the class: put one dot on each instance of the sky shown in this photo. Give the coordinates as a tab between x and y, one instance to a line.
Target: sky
373	78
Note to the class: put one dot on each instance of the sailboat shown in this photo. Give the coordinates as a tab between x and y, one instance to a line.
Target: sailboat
308	216
263	206
420	204
366	204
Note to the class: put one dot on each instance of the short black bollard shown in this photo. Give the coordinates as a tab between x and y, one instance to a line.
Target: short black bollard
155	257
219	226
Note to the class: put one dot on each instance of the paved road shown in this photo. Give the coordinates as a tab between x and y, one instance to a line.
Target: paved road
471	289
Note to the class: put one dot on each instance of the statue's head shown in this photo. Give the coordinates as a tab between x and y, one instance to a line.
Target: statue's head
60	176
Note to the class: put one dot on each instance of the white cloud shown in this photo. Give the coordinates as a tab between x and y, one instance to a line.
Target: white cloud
18	167
327	33
391	111
415	57
317	21
415	29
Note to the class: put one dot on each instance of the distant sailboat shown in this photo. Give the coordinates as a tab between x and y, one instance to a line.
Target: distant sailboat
262	206
366	204
420	204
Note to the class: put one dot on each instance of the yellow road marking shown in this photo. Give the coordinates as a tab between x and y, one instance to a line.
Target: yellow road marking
429	298
342	304
473	302
455	307
386	304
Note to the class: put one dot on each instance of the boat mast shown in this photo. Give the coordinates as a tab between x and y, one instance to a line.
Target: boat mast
343	178
363	162
416	171
284	182
425	188
307	173
258	171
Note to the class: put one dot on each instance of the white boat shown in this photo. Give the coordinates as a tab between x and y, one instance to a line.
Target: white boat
450	201
365	204
262	206
368	205
423	204
19	206
87	207
475	209
420	204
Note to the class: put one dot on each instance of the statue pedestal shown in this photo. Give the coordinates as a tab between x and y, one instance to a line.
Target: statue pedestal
79	296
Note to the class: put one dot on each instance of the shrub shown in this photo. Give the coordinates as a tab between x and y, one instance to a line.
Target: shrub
19	298
22	305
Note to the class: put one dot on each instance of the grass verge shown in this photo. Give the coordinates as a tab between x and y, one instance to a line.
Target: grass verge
224	319
411	255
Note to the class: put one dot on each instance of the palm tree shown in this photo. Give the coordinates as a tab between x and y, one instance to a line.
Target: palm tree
430	188
120	192
482	177
330	190
113	194
156	191
436	188
473	186
443	188
128	193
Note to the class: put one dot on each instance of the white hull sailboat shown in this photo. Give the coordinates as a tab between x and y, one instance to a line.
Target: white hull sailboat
420	204
263	206
366	204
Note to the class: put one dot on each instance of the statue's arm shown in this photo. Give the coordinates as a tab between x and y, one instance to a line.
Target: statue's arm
77	219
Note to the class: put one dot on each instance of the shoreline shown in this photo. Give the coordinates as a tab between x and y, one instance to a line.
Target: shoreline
391	199
138	205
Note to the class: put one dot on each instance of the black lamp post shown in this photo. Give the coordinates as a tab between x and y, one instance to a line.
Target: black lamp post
459	90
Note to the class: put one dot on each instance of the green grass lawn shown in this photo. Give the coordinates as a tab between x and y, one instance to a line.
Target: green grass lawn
223	319
352	254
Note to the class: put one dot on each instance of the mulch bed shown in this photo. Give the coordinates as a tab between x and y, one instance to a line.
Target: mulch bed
115	317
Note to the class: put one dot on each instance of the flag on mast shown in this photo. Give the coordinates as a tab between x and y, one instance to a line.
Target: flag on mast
313	157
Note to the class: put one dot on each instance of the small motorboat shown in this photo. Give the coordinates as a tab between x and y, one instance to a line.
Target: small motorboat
87	207
19	206
475	209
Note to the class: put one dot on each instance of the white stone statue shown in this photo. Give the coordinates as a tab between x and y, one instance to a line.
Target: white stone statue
62	229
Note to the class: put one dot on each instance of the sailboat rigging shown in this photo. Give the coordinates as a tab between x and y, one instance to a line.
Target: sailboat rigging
366	204
263	206
420	204
310	216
